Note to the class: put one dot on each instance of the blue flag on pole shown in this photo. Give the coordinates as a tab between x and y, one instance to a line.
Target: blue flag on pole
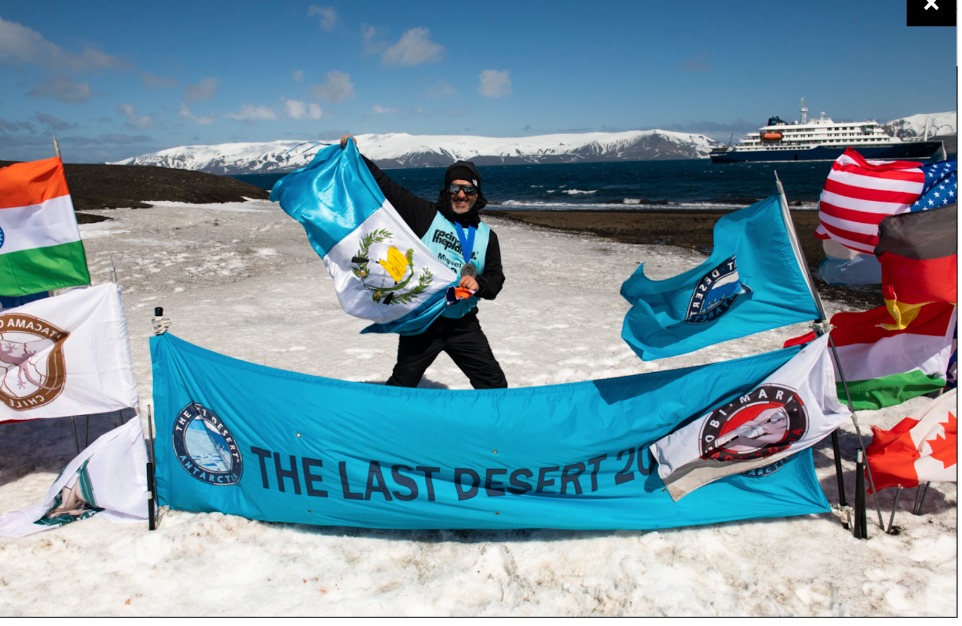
279	446
381	270
752	282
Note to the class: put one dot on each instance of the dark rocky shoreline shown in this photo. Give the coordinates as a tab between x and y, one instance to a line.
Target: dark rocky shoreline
101	186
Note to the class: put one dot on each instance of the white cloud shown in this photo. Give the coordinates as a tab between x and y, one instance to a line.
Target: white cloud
441	89
414	48
328	16
250	114
336	87
63	89
201	91
494	83
372	39
19	45
133	120
297	76
380	109
198	119
299	110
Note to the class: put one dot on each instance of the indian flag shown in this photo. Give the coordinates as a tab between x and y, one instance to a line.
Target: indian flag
40	246
887	367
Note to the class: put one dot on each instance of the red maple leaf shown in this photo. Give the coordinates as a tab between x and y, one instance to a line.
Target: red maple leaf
944	446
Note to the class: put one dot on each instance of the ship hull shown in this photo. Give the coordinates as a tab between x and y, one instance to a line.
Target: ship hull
916	150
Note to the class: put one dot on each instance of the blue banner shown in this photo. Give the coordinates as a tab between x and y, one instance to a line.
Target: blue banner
273	445
752	282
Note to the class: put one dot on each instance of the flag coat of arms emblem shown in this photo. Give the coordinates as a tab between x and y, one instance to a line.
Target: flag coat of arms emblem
40	245
381	270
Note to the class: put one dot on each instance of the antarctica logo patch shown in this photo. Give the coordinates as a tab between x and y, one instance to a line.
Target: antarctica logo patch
205	447
755	425
715	293
33	369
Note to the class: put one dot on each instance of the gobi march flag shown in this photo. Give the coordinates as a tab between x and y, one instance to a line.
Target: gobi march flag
919	257
791	410
40	246
859	193
887	367
752	282
382	271
108	478
66	355
921	448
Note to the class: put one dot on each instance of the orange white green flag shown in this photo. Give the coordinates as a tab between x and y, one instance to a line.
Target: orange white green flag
40	245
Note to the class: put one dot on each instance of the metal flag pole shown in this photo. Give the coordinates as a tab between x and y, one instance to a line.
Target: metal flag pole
151	483
821	327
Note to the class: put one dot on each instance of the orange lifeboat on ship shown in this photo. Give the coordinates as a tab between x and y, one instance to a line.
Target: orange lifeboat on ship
772	137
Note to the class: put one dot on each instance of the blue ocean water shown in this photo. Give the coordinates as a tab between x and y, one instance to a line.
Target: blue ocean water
623	185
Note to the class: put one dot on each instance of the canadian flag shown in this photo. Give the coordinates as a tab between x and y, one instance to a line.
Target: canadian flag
919	449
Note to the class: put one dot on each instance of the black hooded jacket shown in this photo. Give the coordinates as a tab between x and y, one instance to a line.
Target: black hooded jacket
419	213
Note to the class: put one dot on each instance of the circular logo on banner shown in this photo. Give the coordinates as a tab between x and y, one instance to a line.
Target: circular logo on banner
754	426
205	447
715	293
33	370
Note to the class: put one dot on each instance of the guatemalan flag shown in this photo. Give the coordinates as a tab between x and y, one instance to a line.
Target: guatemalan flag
751	283
382	271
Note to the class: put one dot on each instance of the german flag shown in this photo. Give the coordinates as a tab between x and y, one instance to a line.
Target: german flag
919	256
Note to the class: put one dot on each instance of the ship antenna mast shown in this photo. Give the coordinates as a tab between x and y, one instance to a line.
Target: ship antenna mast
804	112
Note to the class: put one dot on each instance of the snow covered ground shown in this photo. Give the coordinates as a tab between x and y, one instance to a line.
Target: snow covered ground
241	279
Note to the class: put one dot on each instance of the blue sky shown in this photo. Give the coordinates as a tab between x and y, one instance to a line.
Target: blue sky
116	79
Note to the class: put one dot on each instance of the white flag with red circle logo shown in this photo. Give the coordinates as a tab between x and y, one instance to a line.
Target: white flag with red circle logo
791	410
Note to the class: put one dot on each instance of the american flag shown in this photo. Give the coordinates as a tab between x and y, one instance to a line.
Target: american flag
859	194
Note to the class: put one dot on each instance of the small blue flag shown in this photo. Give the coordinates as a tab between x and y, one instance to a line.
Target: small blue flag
751	283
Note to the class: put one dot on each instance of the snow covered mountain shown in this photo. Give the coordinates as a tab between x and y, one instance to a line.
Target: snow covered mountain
404	150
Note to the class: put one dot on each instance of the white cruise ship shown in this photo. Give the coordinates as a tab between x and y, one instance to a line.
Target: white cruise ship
822	140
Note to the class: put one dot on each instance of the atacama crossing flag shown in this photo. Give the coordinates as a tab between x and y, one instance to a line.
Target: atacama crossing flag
921	448
382	271
40	246
789	411
919	257
66	355
275	445
885	367
752	282
108	478
859	194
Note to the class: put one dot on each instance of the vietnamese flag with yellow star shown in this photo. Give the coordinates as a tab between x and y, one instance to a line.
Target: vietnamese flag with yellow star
919	449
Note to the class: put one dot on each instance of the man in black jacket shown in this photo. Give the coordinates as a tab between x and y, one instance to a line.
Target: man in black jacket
451	227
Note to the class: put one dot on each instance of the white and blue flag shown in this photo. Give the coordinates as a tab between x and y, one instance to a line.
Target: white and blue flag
752	282
382	271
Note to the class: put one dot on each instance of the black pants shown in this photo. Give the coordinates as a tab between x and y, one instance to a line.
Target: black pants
464	342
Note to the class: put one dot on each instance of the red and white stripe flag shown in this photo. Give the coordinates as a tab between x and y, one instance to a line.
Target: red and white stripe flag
859	194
